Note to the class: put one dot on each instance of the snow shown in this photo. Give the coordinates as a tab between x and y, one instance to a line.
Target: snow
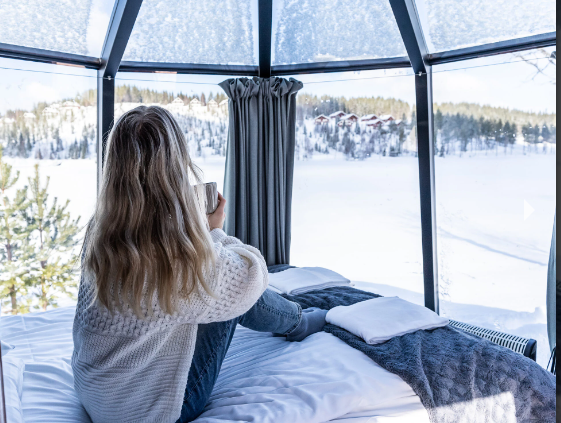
361	219
59	25
192	31
449	24
319	31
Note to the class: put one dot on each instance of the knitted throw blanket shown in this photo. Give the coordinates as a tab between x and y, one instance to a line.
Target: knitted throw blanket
458	377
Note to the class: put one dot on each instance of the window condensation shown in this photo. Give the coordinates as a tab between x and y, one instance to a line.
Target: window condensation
68	26
194	31
318	31
452	24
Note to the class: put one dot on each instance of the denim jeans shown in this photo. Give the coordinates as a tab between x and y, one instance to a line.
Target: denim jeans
271	313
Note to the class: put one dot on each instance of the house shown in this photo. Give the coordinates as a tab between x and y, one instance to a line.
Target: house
321	119
195	104
386	118
377	123
368	118
348	120
176	106
337	115
212	105
29	117
50	112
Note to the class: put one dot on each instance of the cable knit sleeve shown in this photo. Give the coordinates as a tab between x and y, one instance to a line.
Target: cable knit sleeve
240	277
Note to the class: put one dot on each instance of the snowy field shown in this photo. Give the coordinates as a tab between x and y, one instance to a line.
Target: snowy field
361	218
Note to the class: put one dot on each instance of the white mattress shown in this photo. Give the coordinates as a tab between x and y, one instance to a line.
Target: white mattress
263	379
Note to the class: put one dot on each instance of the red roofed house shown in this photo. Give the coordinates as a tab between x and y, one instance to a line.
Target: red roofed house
386	118
375	123
369	118
321	119
348	120
337	115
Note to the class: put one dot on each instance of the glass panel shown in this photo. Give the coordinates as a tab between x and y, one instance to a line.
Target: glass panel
495	191
355	206
450	25
47	119
77	26
194	31
199	106
321	31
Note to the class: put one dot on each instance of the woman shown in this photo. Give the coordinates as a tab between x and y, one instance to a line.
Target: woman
163	287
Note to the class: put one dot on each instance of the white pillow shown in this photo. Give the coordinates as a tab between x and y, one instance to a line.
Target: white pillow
5	348
12	369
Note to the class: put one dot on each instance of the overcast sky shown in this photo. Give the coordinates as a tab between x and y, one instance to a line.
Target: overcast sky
486	81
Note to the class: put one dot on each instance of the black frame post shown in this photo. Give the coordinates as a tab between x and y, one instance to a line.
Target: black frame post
409	26
122	22
265	37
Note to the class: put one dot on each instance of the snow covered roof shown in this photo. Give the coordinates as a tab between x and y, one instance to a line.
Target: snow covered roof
195	101
385	118
224	102
375	122
70	104
29	115
350	116
369	117
337	114
212	102
50	110
321	117
178	101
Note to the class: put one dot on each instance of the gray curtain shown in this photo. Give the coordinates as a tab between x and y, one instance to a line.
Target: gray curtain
551	291
260	163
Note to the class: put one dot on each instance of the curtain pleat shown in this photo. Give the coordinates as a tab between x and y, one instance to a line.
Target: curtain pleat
260	163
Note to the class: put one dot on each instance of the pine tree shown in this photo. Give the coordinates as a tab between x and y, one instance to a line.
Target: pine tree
13	232
53	236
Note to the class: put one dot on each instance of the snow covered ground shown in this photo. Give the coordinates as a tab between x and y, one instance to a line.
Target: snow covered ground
362	219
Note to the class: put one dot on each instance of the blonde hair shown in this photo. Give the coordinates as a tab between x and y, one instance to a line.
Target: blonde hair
147	235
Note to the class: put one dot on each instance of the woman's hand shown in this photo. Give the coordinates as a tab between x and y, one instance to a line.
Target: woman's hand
216	219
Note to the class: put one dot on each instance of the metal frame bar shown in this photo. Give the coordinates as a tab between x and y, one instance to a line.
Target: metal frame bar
501	47
265	36
123	18
189	68
410	28
341	66
11	51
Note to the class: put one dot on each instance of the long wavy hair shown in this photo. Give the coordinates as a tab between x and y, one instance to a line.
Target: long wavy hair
148	236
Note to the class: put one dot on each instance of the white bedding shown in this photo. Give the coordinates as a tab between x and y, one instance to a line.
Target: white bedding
263	379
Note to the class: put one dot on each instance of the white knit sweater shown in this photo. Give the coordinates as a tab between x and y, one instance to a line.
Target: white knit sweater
128	369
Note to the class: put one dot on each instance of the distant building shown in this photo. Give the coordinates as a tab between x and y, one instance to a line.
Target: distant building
377	123
386	118
348	120
321	119
176	106
29	117
50	112
368	118
337	115
195	104
212	105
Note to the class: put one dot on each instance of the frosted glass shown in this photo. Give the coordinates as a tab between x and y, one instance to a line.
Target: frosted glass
452	24
69	26
194	31
320	30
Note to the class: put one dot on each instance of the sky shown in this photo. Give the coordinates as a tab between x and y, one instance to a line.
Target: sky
484	81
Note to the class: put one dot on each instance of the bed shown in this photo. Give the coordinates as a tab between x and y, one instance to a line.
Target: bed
263	378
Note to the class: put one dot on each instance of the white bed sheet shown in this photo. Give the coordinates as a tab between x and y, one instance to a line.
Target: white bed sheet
263	379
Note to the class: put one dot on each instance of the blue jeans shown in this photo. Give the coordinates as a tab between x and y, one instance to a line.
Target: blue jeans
271	313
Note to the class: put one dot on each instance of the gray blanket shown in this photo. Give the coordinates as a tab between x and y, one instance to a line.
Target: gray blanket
458	377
